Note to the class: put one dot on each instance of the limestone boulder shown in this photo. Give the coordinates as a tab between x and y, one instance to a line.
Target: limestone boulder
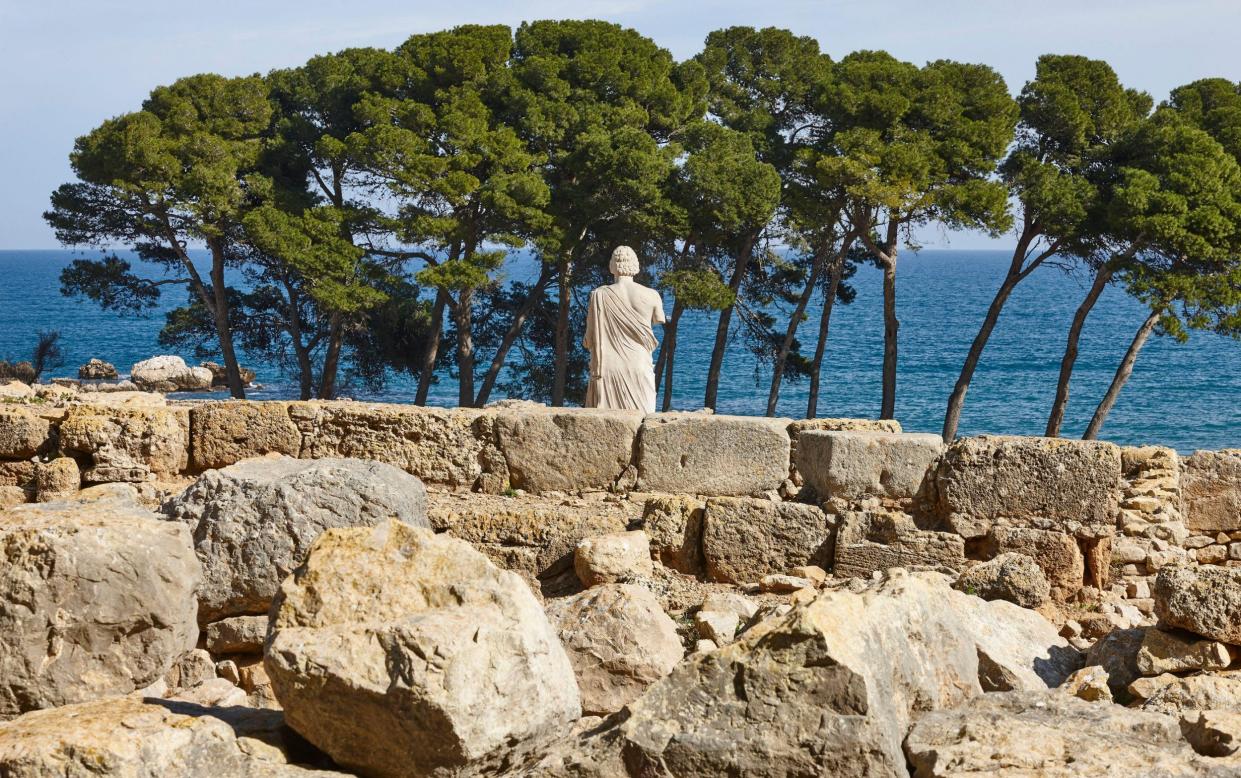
15	390
1055	553
443	446
95	599
1211	491
219	374
97	370
56	480
129	737
1176	651
169	374
613	558
224	433
1047	483
744	539
126	443
401	652
872	541
254	521
1117	653
674	525
22	432
237	635
1172	694
852	466
1053	736
619	641
831	687
567	450
1014	577
699	453
1204	600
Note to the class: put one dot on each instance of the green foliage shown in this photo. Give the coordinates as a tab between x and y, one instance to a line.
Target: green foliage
699	289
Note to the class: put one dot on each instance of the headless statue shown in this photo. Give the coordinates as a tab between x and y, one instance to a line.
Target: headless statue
620	340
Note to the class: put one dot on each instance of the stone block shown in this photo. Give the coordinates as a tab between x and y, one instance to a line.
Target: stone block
224	433
698	453
1211	491
127	443
871	542
1055	552
745	539
22	432
566	450
855	465
674	525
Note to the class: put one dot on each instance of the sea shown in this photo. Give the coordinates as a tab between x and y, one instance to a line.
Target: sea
1183	395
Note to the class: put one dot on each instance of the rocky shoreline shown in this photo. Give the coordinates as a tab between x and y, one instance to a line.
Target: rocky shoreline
300	588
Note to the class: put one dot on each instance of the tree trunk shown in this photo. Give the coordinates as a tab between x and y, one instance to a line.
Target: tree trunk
887	408
721	329
222	327
1123	371
561	375
670	350
463	317
510	337
331	360
825	320
427	373
1056	418
786	346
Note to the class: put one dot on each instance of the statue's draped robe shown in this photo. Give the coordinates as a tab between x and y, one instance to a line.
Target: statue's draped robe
620	344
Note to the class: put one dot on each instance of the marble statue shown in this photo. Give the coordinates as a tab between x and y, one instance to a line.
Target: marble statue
620	340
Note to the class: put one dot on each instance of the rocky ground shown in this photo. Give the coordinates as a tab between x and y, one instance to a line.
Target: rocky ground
563	594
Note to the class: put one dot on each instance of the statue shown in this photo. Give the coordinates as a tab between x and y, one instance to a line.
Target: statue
620	340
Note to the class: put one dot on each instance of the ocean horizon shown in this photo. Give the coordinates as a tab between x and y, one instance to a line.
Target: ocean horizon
1187	396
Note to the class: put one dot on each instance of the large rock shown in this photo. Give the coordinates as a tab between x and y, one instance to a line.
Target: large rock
402	652
1204	600
224	433
1211	491
169	374
1171	694
95	599
674	525
97	370
1053	736
253	522
219	374
1174	651
126	443
744	539
617	557
1056	553
129	737
22	432
831	687
1047	483
439	445
567	449
619	640
1117	653
872	541
699	453
1014	577
855	465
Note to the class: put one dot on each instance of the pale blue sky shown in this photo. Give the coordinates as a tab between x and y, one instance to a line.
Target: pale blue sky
69	64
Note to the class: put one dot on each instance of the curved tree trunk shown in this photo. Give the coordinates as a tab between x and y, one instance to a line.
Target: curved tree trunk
1056	418
427	373
463	318
1123	371
561	373
786	346
224	330
668	353
891	325
721	328
510	337
331	360
825	321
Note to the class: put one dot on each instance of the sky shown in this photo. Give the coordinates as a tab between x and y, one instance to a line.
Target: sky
66	65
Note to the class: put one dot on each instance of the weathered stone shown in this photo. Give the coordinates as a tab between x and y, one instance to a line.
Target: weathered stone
870	542
729	602
744	538
190	669
1164	651
225	433
439	445
1009	576
237	635
19	474
56	480
1089	684
613	558
1213	732
1047	483
674	525
219	374
169	374
402	652
1170	693
12	495
1211	490
128	737
720	627
126	443
15	390
855	465
1056	553
22	432
1050	735
252	522
830	688
567	450
619	640
96	370
1203	600
784	584
697	453
1117	653
95	599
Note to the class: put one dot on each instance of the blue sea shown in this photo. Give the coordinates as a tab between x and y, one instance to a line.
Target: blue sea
1187	396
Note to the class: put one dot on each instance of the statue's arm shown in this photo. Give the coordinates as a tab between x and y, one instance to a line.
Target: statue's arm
657	315
590	326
